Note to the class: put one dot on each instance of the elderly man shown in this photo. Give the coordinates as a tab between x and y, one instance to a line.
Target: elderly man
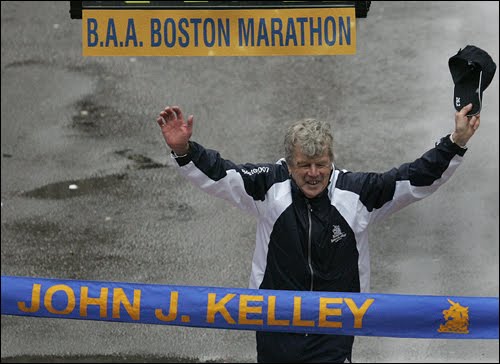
312	217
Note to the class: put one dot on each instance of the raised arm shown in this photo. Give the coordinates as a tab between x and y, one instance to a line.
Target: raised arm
243	185
382	194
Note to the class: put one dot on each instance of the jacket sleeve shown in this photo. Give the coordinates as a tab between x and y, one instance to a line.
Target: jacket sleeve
381	194
244	186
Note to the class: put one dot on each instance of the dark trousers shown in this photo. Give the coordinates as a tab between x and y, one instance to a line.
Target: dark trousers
276	347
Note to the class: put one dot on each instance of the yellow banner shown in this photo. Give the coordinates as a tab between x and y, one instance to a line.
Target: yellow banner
241	32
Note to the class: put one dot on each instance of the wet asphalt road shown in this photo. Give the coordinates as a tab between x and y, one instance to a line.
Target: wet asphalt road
90	121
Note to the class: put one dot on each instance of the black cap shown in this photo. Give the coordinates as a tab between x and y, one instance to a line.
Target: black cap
472	70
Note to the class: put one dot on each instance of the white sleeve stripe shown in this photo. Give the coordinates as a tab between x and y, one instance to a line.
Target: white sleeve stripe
230	188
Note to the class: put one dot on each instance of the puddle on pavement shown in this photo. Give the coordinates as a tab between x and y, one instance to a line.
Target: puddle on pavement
91	116
140	161
74	188
96	120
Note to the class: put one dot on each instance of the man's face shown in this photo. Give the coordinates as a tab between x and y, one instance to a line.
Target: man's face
311	174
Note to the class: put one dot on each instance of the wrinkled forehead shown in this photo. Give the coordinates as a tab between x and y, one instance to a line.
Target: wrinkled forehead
299	156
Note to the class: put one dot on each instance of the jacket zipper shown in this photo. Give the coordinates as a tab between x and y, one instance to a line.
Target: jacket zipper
309	246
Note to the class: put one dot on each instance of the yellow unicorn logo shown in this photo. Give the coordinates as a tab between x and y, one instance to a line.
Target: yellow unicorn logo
457	319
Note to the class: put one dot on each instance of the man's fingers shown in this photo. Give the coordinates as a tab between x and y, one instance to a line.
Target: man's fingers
169	114
174	114
465	109
161	121
476	123
178	112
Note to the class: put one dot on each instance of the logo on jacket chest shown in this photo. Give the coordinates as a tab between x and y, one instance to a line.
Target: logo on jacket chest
337	234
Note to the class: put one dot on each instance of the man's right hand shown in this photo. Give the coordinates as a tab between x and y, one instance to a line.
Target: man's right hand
175	130
465	126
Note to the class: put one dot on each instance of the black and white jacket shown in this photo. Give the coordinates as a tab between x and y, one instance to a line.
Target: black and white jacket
318	244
